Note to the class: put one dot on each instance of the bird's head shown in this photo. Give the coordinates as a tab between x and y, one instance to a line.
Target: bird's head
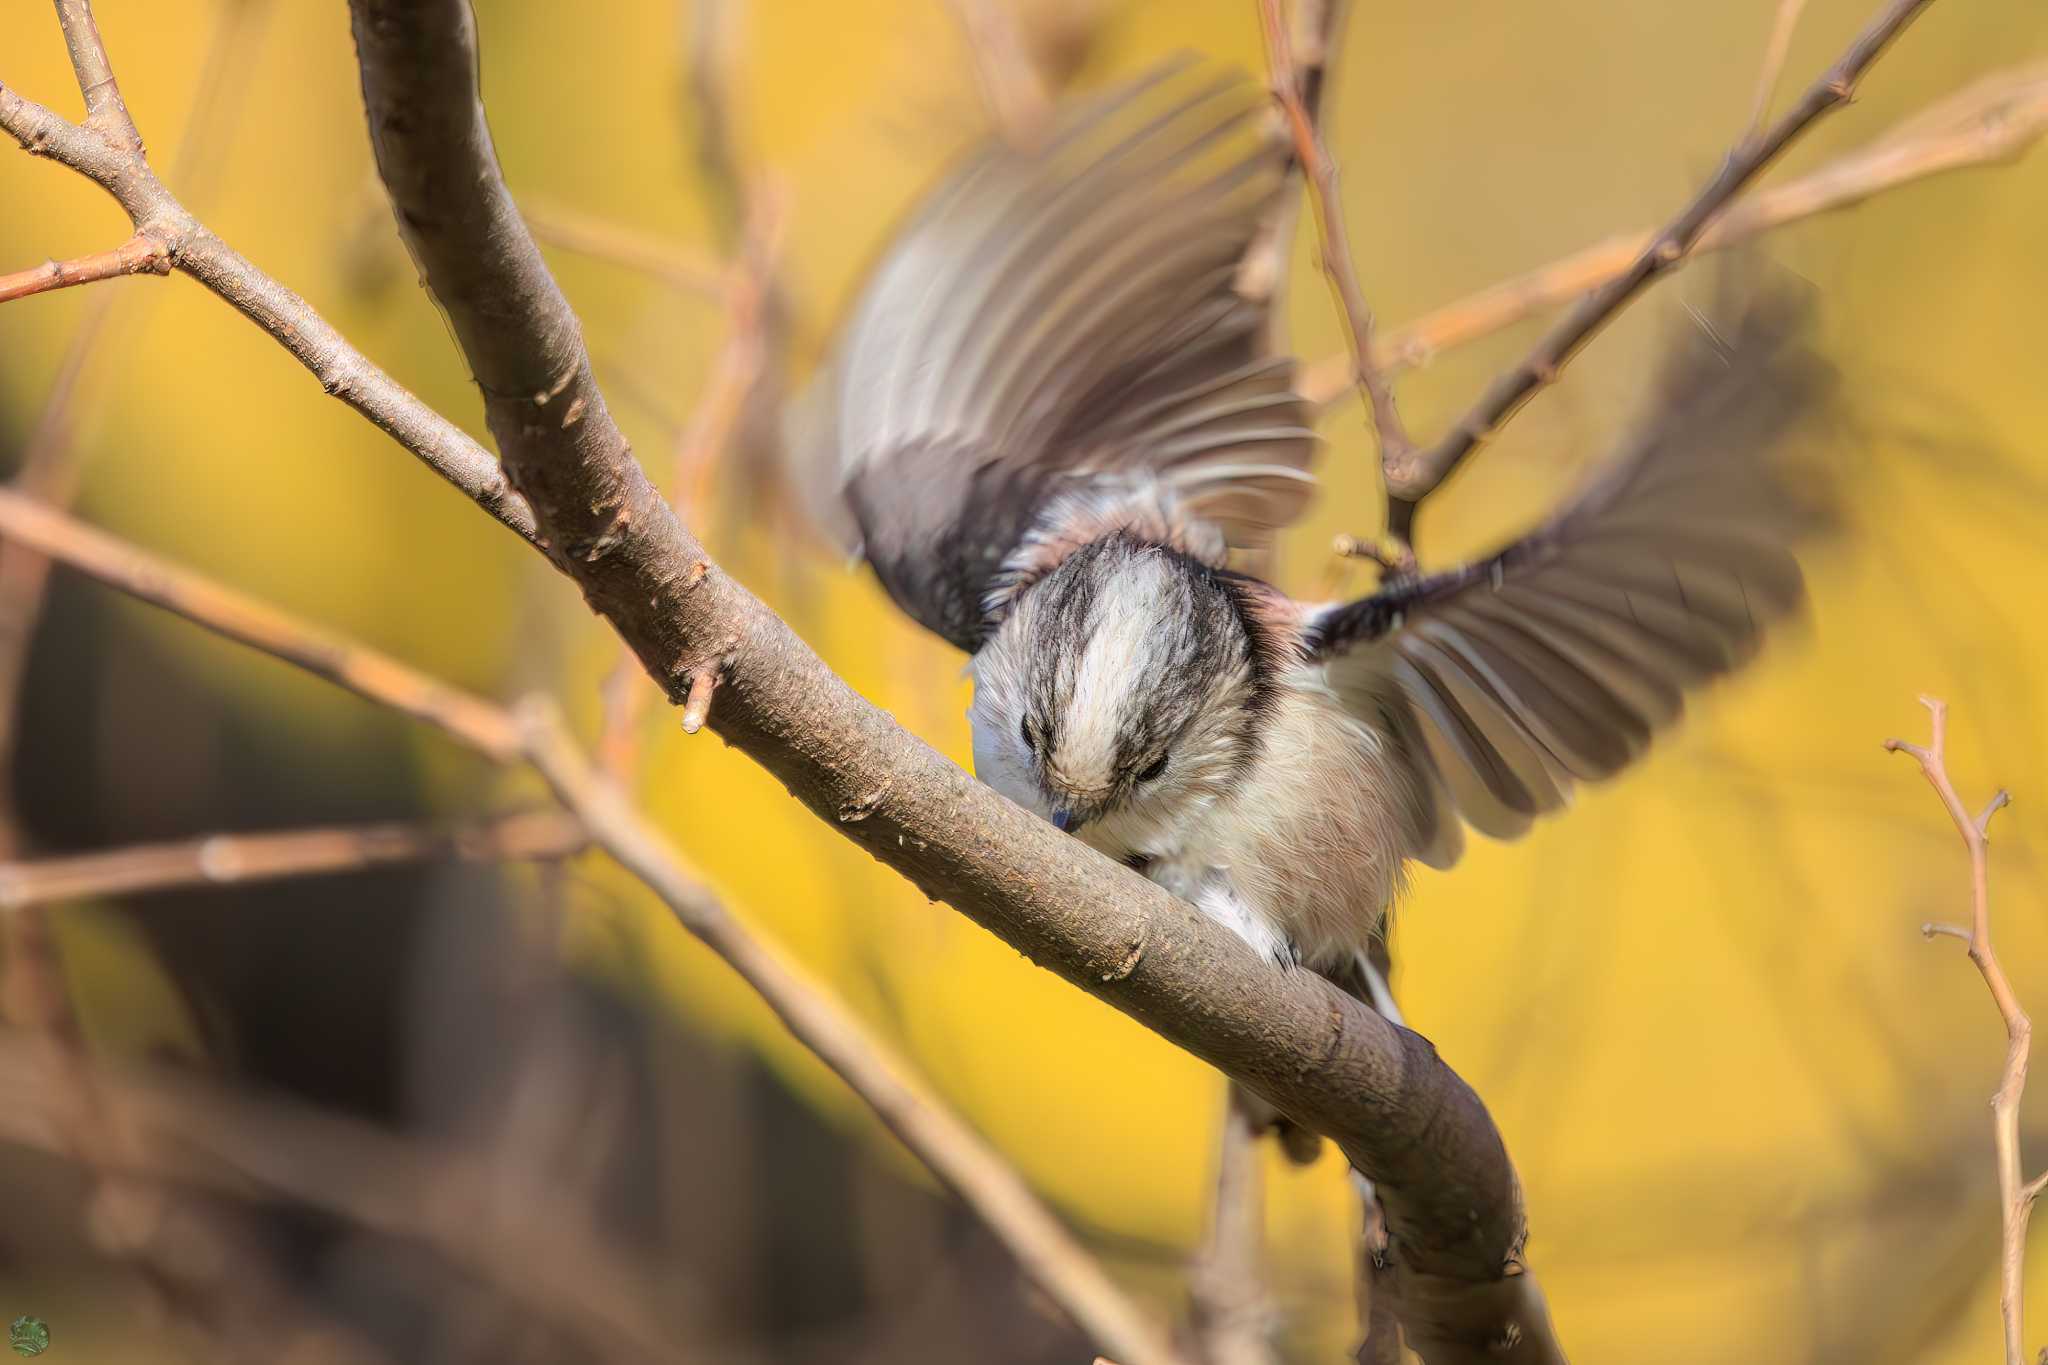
1121	687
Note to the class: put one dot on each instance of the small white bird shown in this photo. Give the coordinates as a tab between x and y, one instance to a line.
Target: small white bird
1054	423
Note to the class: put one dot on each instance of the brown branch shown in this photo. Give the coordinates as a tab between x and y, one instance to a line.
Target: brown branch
366	672
1776	48
238	859
105	112
50	462
1008	79
954	1152
1404	1118
681	267
1412	479
1452	1202
2016	1197
1291	90
175	1127
1233	1319
141	254
1989	121
342	370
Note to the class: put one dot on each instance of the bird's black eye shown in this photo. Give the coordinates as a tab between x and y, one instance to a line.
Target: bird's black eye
1154	771
1024	729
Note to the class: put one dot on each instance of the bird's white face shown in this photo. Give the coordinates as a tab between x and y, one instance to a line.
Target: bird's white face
1114	699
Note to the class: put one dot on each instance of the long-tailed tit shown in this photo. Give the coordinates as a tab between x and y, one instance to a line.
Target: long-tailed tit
1056	427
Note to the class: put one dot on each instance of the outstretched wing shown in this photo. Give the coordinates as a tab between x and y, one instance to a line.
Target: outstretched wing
1555	660
1062	322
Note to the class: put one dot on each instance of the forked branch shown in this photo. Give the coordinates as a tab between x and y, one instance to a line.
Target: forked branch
2016	1195
1411	480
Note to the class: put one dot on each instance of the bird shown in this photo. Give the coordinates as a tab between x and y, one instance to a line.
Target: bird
1055	426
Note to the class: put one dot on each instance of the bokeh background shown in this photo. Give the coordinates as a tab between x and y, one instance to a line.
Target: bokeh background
1748	1102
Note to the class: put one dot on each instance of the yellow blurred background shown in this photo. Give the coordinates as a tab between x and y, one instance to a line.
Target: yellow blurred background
1749	1104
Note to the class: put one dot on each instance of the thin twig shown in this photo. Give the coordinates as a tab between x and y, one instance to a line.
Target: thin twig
343	371
954	1152
1233	1319
1010	84
50	462
684	268
141	254
366	672
1412	479
239	859
2015	1196
1776	48
105	112
1991	120
173	1126
1394	447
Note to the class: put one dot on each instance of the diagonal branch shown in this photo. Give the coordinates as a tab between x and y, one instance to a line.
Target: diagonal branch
1412	479
342	370
141	254
1404	1118
366	672
941	1139
239	859
1991	120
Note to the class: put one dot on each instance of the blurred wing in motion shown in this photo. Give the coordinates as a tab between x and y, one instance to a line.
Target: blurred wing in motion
1055	335
1555	660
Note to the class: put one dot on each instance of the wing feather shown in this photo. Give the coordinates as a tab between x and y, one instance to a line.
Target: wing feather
1063	323
1557	659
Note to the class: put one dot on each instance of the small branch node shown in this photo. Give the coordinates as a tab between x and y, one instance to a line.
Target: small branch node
697	705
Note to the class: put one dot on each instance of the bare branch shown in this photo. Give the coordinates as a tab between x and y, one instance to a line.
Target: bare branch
363	671
176	1127
1452	1200
2017	1198
681	267
342	370
105	112
1290	89
141	254
49	465
1776	48
1989	121
1232	1316
954	1152
238	859
1411	480
932	1132
1018	104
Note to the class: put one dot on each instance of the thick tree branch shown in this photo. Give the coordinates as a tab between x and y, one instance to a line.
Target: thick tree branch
141	254
238	859
1991	120
2016	1198
1404	1118
953	1150
1411	480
